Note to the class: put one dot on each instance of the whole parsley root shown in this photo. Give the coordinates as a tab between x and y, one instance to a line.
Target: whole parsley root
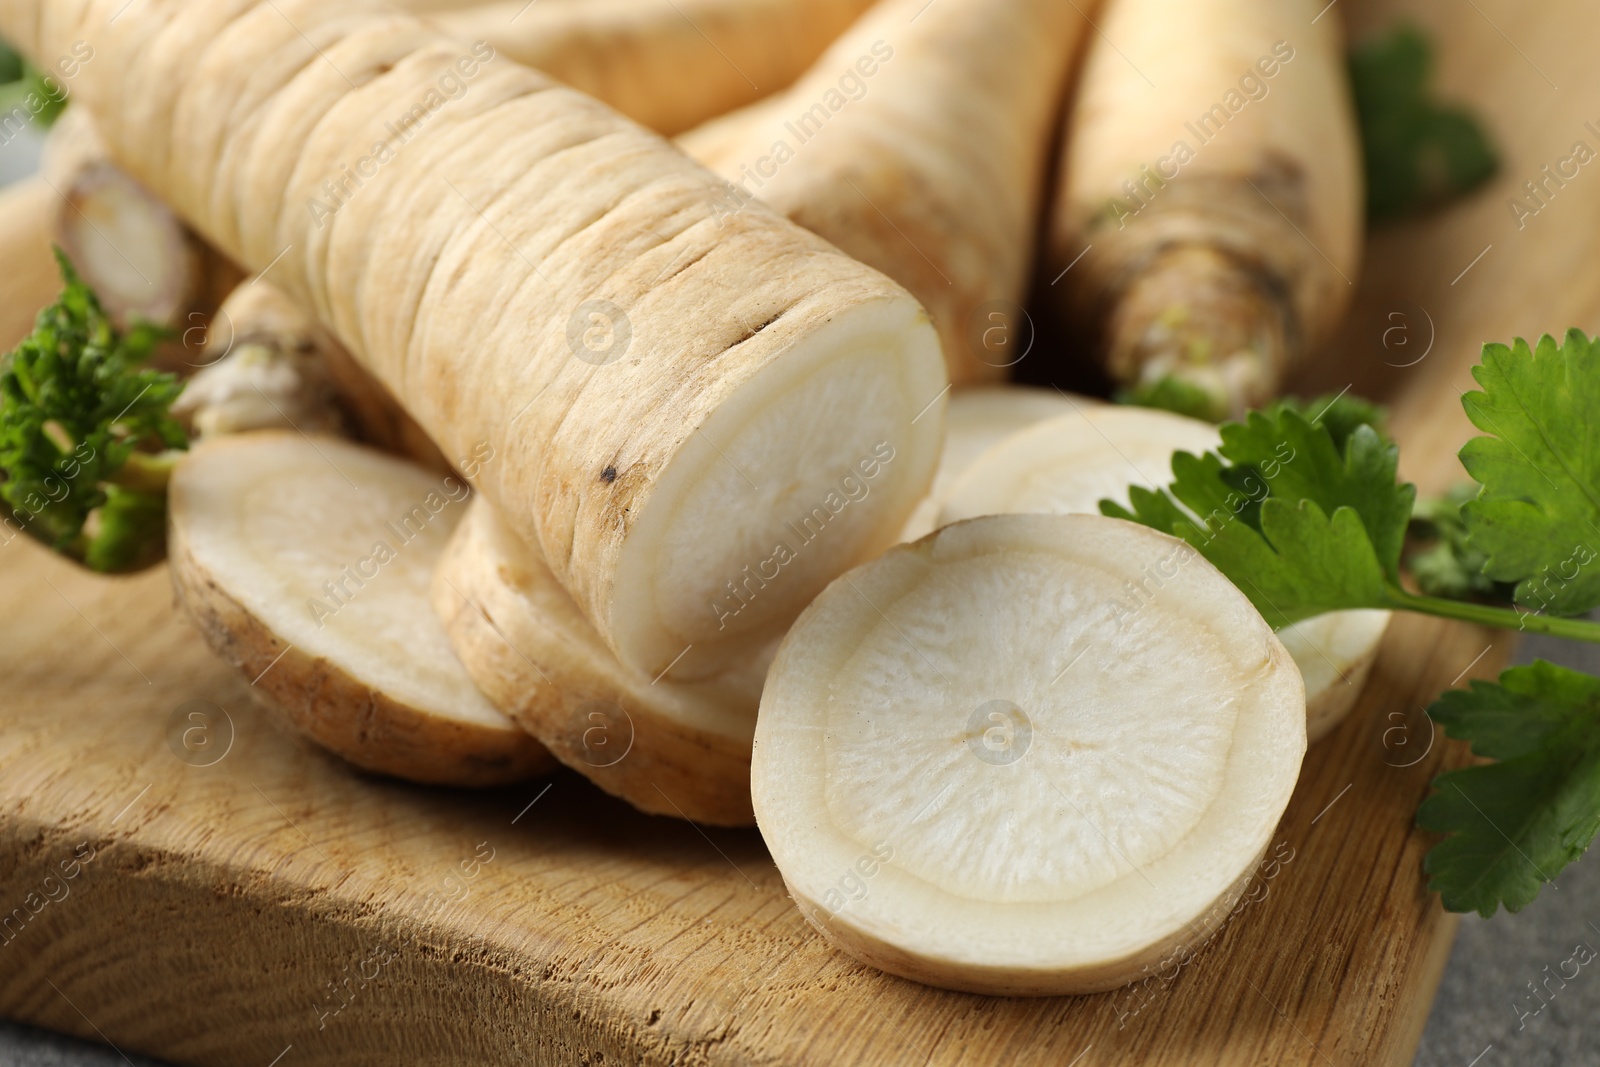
1217	206
86	437
912	174
1305	523
663	63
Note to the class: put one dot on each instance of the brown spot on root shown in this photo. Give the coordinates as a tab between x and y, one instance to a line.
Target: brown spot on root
608	475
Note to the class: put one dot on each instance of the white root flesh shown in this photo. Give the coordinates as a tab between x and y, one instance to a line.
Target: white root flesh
669	748
976	419
305	563
979	767
1068	464
666	64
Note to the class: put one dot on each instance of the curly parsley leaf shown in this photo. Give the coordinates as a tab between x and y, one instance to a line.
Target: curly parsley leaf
1515	824
1537	518
1300	525
1418	153
81	429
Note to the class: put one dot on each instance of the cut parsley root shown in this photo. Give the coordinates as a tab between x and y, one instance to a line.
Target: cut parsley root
634	367
1225	227
914	171
666	64
977	418
668	748
142	263
973	771
1068	464
305	563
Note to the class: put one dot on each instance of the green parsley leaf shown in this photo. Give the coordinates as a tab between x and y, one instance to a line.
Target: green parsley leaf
1299	525
38	96
1339	415
79	423
1447	564
1515	824
1537	517
1418	153
10	64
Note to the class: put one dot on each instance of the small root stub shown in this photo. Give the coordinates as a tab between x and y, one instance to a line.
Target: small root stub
1201	316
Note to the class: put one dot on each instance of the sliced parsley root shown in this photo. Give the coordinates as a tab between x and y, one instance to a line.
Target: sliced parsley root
86	440
1304	523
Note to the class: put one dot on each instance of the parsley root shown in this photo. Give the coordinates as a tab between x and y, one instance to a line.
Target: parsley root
670	748
893	147
305	563
666	64
1212	185
558	289
1047	799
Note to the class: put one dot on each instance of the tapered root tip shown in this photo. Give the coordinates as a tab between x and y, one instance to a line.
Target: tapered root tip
1201	316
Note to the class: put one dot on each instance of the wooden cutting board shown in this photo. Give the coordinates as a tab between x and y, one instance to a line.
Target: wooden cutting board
275	908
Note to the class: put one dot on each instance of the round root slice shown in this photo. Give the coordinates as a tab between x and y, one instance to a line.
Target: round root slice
1335	653
668	748
977	418
1067	465
981	764
1071	462
306	565
128	246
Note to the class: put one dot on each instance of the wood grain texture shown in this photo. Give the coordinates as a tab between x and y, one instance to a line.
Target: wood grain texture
223	900
224	903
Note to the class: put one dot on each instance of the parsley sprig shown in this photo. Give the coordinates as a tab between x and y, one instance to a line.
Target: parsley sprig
1306	514
1418	153
86	440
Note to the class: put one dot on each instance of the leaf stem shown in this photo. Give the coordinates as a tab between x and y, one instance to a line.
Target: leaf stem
1532	622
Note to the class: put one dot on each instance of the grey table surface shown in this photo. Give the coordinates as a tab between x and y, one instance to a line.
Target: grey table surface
1486	1015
